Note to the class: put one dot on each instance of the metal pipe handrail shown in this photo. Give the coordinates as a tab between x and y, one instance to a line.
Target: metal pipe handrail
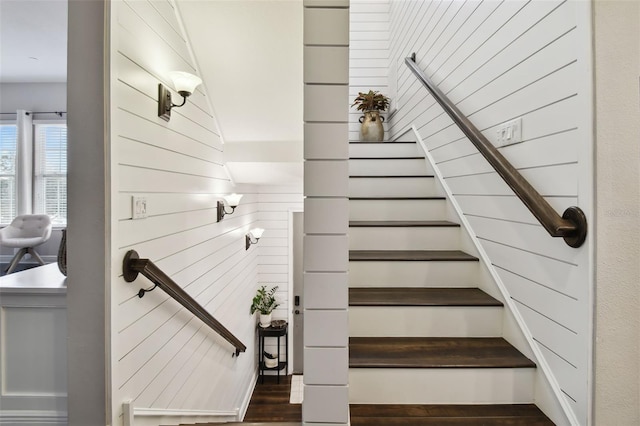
572	226
132	265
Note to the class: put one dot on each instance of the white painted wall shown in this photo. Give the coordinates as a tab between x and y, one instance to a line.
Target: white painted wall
274	248
369	45
32	97
498	61
617	356
162	356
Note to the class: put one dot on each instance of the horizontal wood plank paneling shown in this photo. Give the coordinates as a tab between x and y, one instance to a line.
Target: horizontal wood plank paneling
369	45
498	61
164	357
276	204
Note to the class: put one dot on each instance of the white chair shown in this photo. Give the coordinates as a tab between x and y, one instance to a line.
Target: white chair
26	232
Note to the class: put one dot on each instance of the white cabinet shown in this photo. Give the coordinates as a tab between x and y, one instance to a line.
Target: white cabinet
33	347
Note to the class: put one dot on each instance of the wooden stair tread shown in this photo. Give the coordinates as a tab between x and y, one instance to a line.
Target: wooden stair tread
434	352
413	414
410	255
416	296
401	223
468	421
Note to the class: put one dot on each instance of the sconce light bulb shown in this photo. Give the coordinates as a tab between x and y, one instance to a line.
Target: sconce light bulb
233	199
185	83
256	233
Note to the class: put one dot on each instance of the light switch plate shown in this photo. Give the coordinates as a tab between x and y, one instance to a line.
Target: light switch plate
139	206
509	132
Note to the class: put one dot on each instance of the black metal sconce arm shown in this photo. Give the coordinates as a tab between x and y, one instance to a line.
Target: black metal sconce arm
223	211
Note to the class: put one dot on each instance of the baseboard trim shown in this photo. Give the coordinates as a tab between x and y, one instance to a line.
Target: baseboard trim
154	416
242	411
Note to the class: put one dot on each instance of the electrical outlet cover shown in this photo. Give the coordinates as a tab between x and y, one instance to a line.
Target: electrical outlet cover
509	132
139	205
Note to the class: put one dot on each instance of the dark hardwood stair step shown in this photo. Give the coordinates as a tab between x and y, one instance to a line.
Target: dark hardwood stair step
498	415
411	255
435	352
401	223
415	296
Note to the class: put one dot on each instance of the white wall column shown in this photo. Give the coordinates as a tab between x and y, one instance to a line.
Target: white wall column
89	234
326	211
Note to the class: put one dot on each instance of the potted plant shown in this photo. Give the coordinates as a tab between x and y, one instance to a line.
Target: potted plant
264	302
371	104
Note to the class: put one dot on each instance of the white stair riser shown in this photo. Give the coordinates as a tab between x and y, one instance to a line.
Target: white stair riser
393	187
397	210
441	385
371	167
404	238
412	274
384	150
419	321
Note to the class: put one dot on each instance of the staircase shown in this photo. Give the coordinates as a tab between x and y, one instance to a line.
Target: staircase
425	342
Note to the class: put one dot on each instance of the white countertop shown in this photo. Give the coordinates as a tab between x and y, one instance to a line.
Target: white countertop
39	280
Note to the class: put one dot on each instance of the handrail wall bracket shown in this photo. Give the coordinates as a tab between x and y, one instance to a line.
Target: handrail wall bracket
576	216
572	226
132	265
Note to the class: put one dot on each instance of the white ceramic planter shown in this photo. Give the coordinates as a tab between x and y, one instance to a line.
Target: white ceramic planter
265	320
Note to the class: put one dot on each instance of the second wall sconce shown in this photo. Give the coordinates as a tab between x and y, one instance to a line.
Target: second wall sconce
252	237
233	200
184	83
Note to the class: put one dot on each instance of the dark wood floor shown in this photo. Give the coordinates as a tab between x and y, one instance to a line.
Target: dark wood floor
270	402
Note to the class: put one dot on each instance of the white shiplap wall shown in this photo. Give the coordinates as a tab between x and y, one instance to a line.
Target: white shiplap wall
275	206
368	54
162	356
499	60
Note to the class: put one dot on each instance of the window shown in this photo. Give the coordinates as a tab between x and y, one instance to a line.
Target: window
49	180
50	171
8	138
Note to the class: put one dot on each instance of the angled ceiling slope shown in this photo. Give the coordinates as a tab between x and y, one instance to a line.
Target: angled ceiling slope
250	57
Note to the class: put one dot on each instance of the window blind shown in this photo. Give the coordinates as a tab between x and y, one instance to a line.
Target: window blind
8	200
50	170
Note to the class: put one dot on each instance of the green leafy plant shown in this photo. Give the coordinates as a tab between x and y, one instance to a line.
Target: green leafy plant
371	101
264	301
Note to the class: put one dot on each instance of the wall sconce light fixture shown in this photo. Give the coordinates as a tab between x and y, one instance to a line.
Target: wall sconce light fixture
184	83
233	200
252	237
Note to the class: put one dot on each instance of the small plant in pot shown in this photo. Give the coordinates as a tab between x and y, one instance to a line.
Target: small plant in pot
264	302
371	104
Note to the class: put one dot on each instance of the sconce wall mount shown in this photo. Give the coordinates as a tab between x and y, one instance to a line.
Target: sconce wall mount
184	83
252	237
233	200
